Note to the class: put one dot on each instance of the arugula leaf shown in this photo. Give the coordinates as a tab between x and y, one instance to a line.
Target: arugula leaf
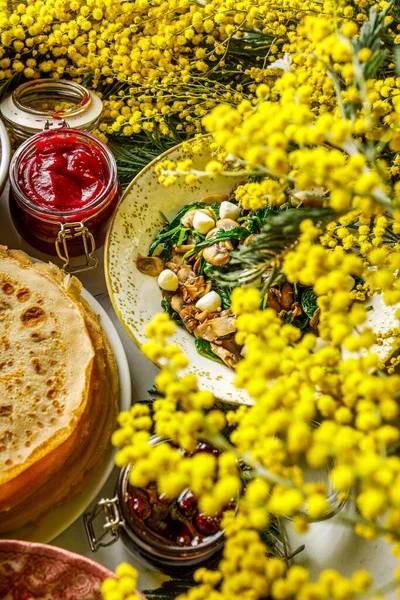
225	294
182	235
237	233
204	349
202	266
162	236
301	321
308	302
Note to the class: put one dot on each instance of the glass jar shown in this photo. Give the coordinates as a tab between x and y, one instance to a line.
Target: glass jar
172	554
42	103
63	191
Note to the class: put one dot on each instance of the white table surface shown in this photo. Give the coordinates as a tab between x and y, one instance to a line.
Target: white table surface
328	544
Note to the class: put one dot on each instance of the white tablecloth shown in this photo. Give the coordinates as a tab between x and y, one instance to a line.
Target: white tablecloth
328	544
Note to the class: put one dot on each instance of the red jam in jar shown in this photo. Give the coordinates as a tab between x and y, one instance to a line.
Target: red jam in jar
63	173
63	179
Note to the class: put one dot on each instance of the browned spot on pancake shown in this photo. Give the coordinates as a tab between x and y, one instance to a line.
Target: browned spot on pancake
23	294
40	424
5	342
5	410
6	438
33	316
3	307
53	420
27	444
7	288
36	337
35	401
51	393
28	432
55	403
8	462
10	362
31	415
35	362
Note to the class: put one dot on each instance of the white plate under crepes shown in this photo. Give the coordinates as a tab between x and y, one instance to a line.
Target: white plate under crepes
136	297
5	153
57	519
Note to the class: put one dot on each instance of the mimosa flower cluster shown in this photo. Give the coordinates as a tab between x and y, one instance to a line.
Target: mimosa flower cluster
161	66
319	402
303	97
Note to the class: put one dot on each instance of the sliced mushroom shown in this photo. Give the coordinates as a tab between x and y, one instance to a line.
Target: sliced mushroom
176	259
185	273
197	263
230	358
249	238
212	232
296	310
216	255
177	303
212	329
227	224
194	288
183	248
274	298
172	266
187	315
315	319
203	316
187	219
149	265
286	300
226	244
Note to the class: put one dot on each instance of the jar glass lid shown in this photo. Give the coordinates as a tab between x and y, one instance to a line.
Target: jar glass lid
42	103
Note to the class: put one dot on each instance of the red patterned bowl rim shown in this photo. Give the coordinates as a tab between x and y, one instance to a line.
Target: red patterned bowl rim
54	552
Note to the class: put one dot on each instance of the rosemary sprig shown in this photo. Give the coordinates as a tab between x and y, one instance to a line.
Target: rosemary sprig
265	252
132	158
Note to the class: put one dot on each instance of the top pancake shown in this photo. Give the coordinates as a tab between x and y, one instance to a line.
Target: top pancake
46	358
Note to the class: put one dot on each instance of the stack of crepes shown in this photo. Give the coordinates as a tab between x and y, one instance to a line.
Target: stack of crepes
58	389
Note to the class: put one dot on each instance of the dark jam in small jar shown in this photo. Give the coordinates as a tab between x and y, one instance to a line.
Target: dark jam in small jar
64	189
175	522
172	535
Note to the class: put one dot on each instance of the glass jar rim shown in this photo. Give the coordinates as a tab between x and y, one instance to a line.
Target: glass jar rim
42	211
22	115
72	89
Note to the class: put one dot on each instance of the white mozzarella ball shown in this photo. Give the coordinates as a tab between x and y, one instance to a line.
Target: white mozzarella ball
210	302
168	281
228	210
202	222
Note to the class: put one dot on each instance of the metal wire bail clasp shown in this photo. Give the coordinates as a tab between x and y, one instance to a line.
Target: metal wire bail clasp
69	231
110	534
